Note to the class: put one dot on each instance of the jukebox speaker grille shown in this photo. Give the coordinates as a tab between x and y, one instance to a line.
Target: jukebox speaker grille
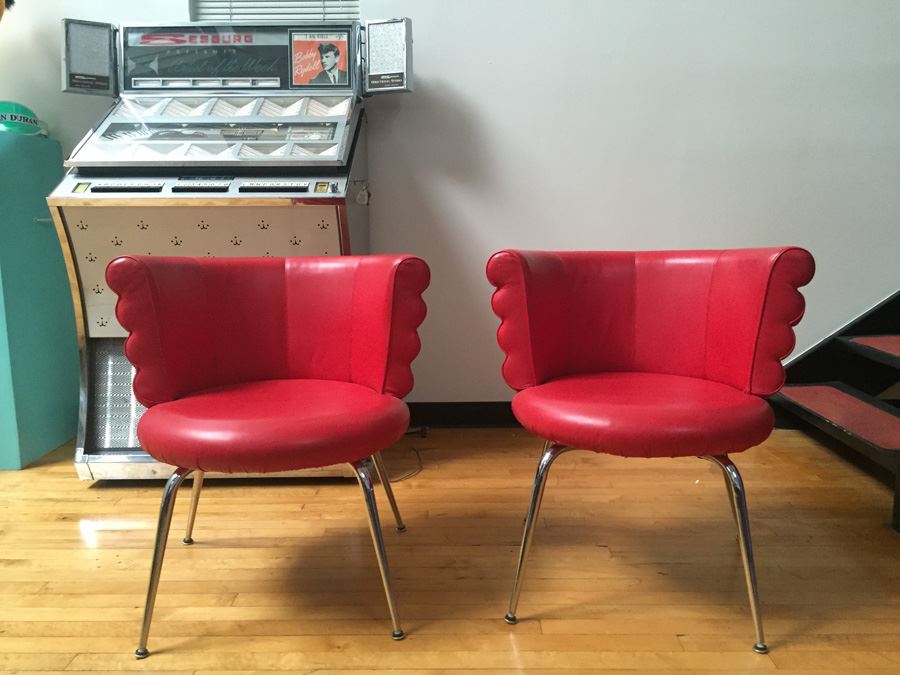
89	49
113	423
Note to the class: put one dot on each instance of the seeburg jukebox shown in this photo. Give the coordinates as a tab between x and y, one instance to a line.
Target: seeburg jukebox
225	140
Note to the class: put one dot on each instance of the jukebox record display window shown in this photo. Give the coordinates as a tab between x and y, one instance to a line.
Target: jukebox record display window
185	57
320	58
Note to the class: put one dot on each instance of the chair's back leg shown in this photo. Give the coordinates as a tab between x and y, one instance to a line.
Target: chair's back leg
195	499
363	470
739	507
386	484
550	453
159	552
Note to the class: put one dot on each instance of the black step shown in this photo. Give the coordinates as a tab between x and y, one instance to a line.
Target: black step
861	421
866	424
884	349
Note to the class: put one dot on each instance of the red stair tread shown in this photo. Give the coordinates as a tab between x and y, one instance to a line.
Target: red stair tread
884	343
872	424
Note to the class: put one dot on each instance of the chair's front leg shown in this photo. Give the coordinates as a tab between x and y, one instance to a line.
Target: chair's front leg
739	508
550	453
386	484
162	534
195	499
363	470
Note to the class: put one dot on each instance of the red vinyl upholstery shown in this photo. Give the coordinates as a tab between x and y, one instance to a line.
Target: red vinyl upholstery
660	353
648	354
253	365
270	364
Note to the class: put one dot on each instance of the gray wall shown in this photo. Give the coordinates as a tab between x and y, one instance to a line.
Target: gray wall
621	124
604	124
30	42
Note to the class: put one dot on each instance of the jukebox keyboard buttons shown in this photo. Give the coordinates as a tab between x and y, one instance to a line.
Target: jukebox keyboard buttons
127	187
274	186
202	186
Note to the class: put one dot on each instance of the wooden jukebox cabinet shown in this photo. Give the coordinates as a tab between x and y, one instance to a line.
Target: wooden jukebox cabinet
224	140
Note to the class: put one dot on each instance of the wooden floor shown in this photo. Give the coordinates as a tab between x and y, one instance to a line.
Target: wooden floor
635	568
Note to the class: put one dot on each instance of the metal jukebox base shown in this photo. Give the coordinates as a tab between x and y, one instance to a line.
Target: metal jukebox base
135	464
107	446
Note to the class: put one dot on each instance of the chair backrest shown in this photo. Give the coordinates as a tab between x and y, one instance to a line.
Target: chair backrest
196	323
726	315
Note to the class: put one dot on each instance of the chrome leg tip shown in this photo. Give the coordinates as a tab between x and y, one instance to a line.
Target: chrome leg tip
187	541
141	653
511	619
398	635
401	528
761	648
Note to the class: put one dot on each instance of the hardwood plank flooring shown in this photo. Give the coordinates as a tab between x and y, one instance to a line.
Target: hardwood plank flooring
634	568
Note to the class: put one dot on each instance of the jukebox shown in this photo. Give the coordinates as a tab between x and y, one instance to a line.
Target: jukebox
224	140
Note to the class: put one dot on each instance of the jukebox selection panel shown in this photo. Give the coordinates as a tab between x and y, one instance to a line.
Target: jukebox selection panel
100	234
216	129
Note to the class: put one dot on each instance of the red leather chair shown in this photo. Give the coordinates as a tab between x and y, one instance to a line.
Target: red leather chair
270	364
648	354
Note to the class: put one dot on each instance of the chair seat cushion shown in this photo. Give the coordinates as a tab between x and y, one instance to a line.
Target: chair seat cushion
644	415
274	425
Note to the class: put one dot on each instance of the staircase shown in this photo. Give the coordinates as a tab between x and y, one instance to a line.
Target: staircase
849	387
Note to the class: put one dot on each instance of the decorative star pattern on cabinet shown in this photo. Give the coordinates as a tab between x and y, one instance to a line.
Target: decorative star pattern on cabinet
100	234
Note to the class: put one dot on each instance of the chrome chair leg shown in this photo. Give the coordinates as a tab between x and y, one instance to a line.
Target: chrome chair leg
734	513
195	498
363	470
162	534
550	453
739	508
386	483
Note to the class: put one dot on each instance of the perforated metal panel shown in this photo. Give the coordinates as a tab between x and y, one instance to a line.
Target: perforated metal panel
116	411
